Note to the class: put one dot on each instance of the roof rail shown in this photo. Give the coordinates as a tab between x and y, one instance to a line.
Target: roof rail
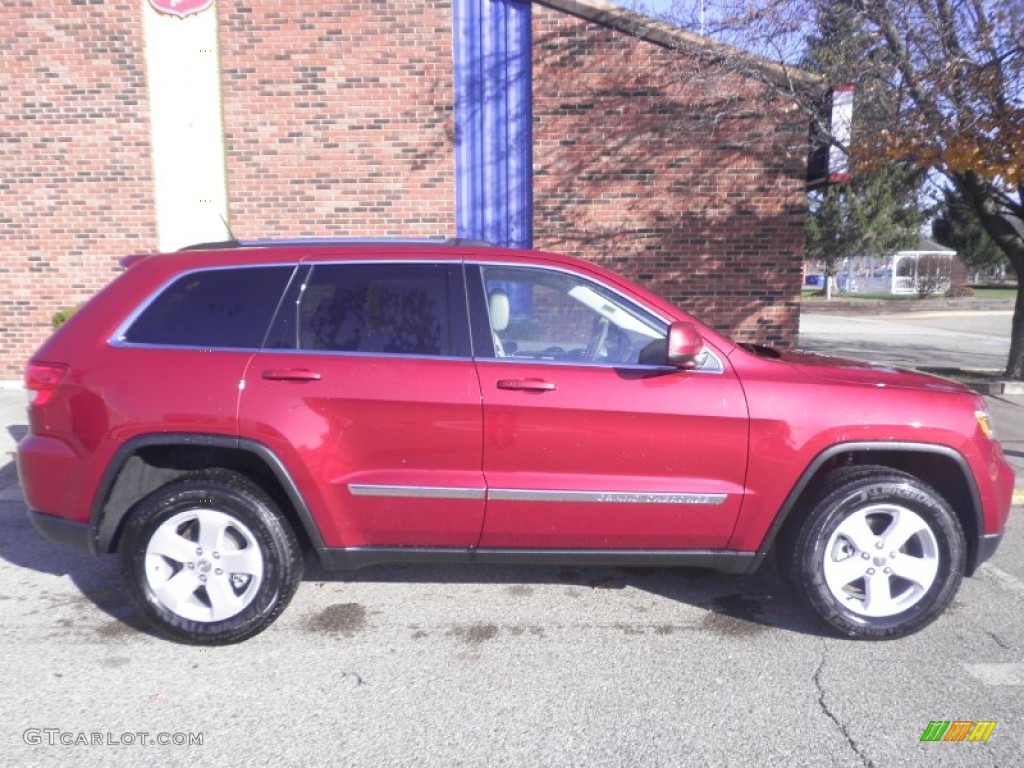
308	241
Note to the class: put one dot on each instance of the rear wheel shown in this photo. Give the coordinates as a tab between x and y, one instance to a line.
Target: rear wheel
879	555
208	559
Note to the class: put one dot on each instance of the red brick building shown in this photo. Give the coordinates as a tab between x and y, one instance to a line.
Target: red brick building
341	119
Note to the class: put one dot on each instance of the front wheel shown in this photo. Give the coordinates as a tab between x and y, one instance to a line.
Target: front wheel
879	555
208	559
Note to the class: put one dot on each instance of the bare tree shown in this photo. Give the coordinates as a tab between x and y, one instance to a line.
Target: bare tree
934	275
952	76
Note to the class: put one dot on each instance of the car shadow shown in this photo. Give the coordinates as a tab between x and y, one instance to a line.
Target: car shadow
734	605
96	578
892	355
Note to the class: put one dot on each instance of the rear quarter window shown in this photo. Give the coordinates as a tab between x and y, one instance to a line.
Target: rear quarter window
213	308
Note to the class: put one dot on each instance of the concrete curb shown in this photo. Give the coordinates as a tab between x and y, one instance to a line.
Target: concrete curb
997	387
850	305
984	382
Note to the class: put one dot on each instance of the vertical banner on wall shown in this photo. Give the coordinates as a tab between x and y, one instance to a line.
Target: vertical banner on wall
186	122
493	114
842	134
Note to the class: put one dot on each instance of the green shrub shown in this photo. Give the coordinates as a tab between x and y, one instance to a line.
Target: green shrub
59	317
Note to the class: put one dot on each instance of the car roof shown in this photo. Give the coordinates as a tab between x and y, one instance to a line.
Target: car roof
237	253
304	242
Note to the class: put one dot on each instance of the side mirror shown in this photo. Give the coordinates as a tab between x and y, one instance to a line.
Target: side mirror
685	345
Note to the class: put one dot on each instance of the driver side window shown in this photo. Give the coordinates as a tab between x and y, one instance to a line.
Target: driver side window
545	314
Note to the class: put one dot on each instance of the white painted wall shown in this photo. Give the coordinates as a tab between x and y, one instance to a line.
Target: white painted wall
183	74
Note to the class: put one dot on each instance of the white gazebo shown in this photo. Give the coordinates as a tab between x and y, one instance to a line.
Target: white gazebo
928	266
908	270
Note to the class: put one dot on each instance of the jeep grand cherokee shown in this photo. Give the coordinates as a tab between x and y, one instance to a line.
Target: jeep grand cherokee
213	413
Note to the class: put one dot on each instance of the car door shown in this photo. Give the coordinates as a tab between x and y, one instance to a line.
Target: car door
367	392
590	440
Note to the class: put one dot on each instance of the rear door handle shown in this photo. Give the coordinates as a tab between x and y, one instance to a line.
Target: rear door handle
526	385
291	374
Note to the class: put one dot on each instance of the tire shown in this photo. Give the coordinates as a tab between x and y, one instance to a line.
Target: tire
209	560
880	554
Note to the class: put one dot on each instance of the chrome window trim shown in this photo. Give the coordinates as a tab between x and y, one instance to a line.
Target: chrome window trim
117	338
382	355
416	491
183	347
720	369
269	351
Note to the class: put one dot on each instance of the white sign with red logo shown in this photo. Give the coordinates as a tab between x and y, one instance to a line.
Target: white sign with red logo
181	8
842	134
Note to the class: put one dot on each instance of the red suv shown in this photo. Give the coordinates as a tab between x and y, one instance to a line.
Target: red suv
212	413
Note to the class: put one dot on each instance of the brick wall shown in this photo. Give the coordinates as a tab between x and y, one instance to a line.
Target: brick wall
682	176
339	121
75	168
339	117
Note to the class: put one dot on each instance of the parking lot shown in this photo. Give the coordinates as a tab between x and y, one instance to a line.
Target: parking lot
436	665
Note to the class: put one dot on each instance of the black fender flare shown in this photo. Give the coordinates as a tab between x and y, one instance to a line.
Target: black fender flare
973	543
103	527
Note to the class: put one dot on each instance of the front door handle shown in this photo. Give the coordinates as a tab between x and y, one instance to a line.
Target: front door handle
291	374
526	385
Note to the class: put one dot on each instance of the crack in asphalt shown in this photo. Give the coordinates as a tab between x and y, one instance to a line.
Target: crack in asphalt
831	715
998	640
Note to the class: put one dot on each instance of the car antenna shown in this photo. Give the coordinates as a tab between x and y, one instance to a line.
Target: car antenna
227	226
232	242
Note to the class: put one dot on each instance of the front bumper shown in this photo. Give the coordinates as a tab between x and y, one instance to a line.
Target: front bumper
987	546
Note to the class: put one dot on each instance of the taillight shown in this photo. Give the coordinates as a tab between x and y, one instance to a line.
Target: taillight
41	379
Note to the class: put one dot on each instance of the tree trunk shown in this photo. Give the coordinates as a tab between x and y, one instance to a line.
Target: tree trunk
981	195
1015	361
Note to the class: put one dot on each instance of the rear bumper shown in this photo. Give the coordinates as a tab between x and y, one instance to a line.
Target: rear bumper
62	531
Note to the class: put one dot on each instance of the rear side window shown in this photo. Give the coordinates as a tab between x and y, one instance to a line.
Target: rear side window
213	308
376	308
394	309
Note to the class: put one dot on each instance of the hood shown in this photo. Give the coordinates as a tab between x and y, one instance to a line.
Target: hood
843	371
